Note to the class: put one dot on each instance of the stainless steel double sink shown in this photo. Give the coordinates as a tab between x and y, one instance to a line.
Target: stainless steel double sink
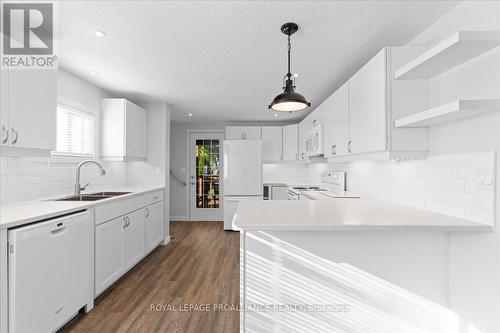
92	196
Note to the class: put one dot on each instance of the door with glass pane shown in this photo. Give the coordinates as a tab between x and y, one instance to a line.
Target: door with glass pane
205	151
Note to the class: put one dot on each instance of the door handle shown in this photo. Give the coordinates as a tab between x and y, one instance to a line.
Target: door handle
126	222
333	150
6	131
147	212
14	140
349	146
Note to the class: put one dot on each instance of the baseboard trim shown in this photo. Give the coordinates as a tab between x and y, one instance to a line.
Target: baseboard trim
179	218
166	241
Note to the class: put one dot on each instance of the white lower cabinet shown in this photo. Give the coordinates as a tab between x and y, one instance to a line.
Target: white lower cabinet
134	239
154	225
121	242
108	253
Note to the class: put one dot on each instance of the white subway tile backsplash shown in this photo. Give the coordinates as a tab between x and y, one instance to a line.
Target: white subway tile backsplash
447	184
29	178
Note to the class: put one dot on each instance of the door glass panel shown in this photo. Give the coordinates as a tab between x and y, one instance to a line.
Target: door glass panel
207	173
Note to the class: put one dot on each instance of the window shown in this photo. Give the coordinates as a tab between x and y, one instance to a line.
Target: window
75	132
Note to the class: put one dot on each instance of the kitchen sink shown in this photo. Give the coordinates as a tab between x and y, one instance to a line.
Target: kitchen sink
109	194
92	196
84	197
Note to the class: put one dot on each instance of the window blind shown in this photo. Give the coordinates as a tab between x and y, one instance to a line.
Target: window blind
75	131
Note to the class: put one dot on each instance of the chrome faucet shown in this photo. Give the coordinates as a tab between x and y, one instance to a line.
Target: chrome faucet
79	188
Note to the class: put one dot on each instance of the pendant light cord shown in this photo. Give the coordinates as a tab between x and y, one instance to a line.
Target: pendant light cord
289	47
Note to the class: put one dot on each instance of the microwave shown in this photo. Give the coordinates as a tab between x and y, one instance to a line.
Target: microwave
314	141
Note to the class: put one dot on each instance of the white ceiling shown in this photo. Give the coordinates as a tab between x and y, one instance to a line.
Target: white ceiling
224	60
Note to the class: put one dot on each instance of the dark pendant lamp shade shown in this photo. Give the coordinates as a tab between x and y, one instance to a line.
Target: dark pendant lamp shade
289	100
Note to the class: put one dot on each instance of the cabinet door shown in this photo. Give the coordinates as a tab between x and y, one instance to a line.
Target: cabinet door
304	130
33	108
134	238
235	133
136	131
154	225
336	122
4	107
279	193
291	142
108	253
272	143
253	133
367	104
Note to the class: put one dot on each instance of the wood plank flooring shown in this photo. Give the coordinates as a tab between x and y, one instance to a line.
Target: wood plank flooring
199	266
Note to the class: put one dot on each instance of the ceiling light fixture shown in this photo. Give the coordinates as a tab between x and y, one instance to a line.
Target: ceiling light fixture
190	114
93	73
275	114
289	100
99	33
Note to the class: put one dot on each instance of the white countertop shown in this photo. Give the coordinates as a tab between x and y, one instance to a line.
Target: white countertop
20	213
287	183
361	214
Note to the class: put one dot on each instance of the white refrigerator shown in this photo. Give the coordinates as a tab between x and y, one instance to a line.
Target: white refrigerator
242	175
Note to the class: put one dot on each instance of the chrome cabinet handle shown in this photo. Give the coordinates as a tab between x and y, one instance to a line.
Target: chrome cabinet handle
349	146
125	219
14	140
333	150
147	212
128	223
6	131
302	155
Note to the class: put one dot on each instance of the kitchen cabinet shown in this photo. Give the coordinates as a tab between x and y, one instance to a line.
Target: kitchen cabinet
367	107
123	130
272	143
243	133
336	123
359	116
304	129
134	238
154	225
125	231
279	193
28	123
291	142
108	253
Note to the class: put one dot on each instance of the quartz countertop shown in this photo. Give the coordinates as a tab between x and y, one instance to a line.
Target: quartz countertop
16	214
344	214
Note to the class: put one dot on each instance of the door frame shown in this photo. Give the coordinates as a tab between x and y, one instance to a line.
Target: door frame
191	216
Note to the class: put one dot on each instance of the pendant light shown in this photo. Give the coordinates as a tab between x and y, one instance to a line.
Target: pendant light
289	100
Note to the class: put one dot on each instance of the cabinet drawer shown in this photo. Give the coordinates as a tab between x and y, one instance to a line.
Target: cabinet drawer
112	210
151	198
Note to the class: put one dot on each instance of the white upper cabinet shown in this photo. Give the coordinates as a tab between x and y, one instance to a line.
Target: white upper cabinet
305	127
28	109
291	142
367	105
124	130
359	116
336	123
272	143
243	133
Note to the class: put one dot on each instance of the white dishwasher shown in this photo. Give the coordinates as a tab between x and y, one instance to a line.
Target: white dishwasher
49	278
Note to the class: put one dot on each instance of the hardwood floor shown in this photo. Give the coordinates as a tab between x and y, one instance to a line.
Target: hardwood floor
199	266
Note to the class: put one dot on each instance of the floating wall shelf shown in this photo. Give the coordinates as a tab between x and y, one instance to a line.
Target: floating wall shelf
450	112
455	50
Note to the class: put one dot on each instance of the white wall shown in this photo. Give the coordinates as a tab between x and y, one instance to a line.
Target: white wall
29	178
474	258
154	170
